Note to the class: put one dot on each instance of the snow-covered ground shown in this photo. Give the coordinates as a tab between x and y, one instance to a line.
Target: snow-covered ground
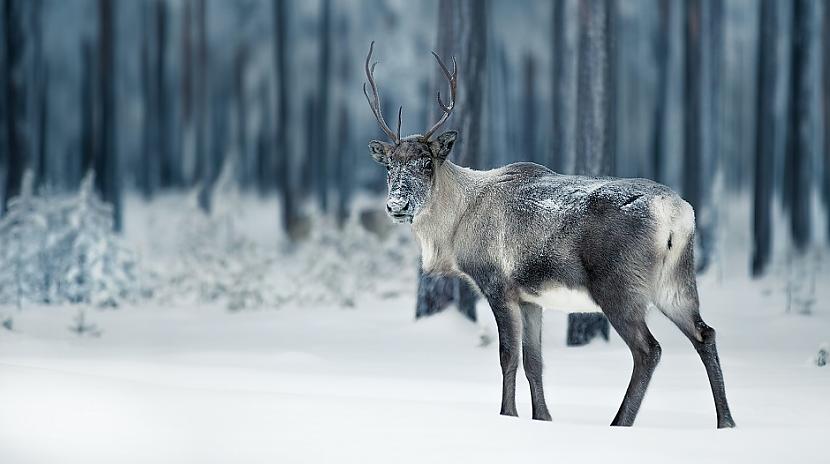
325	382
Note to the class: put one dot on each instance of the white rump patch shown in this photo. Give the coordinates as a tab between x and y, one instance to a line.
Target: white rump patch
675	219
675	224
559	298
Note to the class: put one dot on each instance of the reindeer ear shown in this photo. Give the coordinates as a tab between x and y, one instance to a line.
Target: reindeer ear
442	146
380	151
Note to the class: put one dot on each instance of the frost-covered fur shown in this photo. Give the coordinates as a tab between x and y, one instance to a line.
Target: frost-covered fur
524	235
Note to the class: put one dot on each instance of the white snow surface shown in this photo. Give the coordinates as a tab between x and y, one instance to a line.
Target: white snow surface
316	381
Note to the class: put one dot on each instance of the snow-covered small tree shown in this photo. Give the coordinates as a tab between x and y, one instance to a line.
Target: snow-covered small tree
63	250
22	234
97	269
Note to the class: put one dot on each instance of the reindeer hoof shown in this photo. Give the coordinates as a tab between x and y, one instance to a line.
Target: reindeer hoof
509	412
542	416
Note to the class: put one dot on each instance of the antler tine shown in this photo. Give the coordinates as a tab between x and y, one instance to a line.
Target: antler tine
400	113
453	81
374	101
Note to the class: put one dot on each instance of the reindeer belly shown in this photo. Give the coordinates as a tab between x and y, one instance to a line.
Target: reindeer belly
561	298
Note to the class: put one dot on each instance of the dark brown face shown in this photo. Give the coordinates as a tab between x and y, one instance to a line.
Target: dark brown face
410	167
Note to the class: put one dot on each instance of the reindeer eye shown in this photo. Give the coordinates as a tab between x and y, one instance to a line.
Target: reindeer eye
427	164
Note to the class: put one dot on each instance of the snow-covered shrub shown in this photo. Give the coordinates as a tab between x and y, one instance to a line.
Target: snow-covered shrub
339	266
218	260
63	250
214	262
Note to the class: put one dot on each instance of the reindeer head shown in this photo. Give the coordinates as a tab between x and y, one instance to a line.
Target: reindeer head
411	161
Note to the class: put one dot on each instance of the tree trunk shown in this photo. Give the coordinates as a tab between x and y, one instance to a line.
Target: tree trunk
88	104
593	147
595	115
826	96
203	169
310	145
321	156
108	175
344	164
764	140
242	165
797	169
42	177
17	147
693	133
560	89
147	161
344	158
264	146
283	140
186	140
462	32
530	150
40	98
661	49
167	176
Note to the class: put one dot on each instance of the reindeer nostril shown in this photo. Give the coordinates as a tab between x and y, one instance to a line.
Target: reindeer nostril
397	206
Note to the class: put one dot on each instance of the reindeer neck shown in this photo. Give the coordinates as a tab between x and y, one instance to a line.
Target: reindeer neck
454	191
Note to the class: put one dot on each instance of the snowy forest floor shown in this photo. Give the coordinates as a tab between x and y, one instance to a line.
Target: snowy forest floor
366	383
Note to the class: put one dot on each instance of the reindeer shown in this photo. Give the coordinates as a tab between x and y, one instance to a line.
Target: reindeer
528	238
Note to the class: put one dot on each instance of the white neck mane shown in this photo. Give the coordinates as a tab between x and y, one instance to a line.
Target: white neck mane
453	190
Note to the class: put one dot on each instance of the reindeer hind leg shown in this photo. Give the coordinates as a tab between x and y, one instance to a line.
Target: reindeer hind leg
679	301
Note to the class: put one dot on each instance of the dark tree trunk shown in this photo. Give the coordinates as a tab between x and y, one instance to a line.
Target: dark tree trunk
203	169
764	140
108	175
42	176
462	32
530	150
560	89
826	98
321	157
14	95
264	148
610	48
310	135
344	163
661	52
40	99
167	176
283	141
472	47
593	145
797	169
147	161
693	118
242	165
220	112
185	142
88	105
595	115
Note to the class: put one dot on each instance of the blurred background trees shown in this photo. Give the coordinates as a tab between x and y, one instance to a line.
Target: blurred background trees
716	98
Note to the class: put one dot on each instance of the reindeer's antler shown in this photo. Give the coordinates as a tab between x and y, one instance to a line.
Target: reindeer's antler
374	102
453	80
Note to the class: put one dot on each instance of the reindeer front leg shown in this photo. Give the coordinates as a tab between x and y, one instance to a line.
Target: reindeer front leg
509	323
